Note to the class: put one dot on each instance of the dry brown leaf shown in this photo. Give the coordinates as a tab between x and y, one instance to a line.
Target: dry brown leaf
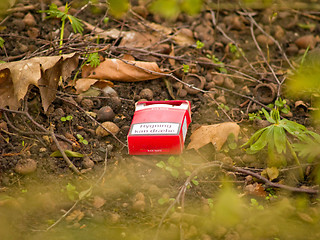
83	84
43	72
117	70
217	134
98	202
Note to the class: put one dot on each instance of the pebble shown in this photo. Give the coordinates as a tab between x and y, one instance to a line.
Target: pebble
228	83
146	93
222	99
182	93
210	85
305	41
87	104
105	114
87	163
112	127
279	33
64	145
29	20
25	166
264	40
33	32
109	92
218	80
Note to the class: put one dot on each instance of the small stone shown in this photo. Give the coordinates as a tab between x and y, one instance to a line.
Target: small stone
292	49
42	150
105	114
222	99
114	217
182	93
279	33
139	196
210	85
115	103
33	32
125	129
139	205
146	93
64	145
87	163
218	80
3	126
25	166
264	40
112	127
29	20
228	83
109	92
306	41
87	103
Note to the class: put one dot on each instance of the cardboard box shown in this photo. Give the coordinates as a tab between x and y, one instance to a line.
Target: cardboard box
159	127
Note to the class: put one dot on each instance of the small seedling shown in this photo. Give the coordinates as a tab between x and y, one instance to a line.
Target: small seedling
254	203
54	12
216	60
106	20
193	180
1	42
222	106
237	52
199	44
173	163
93	59
256	115
281	105
67	118
82	140
186	68
163	201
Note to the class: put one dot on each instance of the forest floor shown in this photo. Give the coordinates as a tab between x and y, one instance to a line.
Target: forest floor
228	62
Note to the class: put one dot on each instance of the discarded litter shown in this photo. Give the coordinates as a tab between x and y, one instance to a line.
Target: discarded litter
159	127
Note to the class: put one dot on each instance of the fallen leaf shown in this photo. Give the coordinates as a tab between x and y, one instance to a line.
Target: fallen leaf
118	70
272	173
98	202
43	72
83	84
76	216
255	189
217	134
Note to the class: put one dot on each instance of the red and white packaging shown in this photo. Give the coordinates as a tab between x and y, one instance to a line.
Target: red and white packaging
159	127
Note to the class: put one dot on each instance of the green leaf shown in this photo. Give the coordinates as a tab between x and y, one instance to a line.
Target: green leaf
195	182
174	172
94	59
68	153
1	42
174	161
76	24
161	164
272	172
268	117
85	142
279	139
162	201
254	137
63	119
166	8
262	141
85	193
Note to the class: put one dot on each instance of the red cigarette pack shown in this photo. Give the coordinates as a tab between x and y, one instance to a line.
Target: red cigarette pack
159	127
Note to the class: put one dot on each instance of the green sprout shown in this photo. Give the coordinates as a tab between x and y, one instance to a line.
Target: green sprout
67	118
173	164
215	60
199	44
54	12
186	68
1	42
237	52
82	140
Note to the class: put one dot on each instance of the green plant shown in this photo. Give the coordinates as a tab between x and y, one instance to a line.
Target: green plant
185	68
82	140
220	64
173	164
222	106
281	105
54	12
67	118
193	180
237	52
276	138
254	203
1	42
199	44
92	59
255	115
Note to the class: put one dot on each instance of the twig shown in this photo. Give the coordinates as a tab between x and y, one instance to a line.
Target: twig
65	157
262	55
269	36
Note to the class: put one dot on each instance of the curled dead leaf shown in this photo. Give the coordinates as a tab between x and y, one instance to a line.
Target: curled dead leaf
83	84
217	134
125	71
43	72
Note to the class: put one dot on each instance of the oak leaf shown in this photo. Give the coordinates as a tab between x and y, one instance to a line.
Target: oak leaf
217	134
42	72
124	71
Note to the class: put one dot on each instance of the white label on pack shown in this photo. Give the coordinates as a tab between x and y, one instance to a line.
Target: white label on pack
161	128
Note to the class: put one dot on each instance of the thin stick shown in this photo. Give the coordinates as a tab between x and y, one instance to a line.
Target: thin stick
65	157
